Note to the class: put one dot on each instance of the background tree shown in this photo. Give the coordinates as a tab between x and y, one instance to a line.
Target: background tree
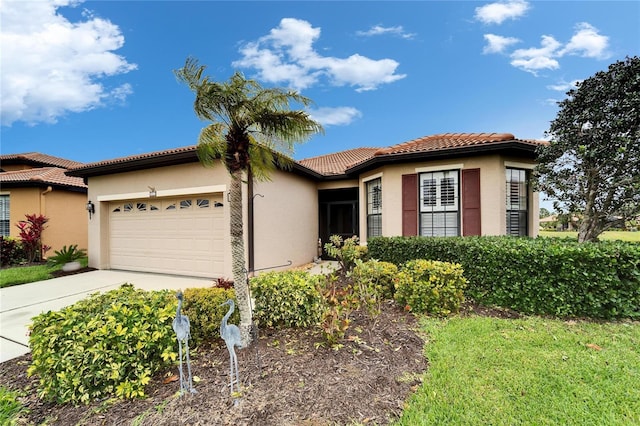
252	130
592	163
544	213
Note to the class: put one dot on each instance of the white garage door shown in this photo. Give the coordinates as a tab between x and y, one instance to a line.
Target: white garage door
182	236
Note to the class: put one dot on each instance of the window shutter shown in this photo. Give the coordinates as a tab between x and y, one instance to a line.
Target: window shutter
409	205
471	202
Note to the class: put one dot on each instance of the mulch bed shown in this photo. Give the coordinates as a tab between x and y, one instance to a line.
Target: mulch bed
289	377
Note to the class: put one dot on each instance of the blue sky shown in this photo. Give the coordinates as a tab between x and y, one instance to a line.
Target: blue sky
93	80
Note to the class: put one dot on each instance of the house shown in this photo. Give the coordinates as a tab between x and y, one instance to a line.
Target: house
164	212
36	183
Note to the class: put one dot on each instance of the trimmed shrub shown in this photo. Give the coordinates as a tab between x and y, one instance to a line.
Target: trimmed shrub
287	299
107	344
202	306
430	286
535	276
11	252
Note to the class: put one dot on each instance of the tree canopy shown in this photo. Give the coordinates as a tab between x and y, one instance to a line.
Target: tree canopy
591	165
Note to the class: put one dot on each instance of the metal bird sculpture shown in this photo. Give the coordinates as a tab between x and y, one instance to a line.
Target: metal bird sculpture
230	333
182	328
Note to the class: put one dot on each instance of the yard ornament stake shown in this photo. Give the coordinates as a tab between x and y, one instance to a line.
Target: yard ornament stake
230	333
182	329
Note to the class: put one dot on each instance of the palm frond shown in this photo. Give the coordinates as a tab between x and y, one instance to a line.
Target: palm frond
212	145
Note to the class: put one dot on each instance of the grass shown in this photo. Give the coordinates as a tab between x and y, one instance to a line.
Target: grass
10	408
606	235
29	274
531	371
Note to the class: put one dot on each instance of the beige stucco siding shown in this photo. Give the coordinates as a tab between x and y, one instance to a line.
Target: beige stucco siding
492	192
66	212
286	220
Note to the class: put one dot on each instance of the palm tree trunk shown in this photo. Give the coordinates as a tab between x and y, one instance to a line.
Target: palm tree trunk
241	284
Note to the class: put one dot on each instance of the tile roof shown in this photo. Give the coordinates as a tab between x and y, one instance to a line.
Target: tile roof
337	163
39	159
451	141
43	175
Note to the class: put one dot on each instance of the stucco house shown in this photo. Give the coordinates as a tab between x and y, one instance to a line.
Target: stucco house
164	212
36	183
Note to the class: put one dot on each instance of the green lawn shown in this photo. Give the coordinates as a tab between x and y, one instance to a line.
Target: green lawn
607	235
533	371
29	274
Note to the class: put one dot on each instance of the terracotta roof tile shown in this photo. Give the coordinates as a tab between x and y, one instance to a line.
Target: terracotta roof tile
337	163
46	175
40	159
450	141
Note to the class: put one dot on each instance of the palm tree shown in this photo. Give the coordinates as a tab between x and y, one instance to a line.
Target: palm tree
252	130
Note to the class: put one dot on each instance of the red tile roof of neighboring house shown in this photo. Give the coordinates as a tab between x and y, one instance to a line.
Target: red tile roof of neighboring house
43	175
36	158
191	149
337	163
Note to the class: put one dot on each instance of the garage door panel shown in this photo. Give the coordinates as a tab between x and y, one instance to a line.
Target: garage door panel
187	241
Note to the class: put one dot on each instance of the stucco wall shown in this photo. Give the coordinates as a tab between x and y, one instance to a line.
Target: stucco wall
286	220
492	192
66	212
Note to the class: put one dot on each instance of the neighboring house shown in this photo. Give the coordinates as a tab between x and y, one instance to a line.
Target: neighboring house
36	183
164	212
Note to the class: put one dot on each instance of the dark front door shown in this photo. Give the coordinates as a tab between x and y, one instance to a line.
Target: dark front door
338	213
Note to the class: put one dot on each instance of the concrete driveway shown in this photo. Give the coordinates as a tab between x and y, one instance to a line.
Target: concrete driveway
18	304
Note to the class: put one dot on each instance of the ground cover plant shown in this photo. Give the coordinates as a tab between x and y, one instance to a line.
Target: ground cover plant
496	371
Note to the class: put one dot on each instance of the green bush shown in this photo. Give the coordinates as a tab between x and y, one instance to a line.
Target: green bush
430	286
345	252
66	255
287	299
551	276
202	306
376	276
11	252
107	344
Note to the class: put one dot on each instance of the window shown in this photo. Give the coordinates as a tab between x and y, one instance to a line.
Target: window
202	203
5	218
141	207
439	206
128	207
374	208
185	204
517	202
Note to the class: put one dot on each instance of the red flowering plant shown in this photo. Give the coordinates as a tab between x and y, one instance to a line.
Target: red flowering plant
31	236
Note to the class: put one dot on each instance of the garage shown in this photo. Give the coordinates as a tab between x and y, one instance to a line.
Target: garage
181	236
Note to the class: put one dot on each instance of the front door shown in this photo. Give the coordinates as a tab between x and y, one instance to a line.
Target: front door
338	214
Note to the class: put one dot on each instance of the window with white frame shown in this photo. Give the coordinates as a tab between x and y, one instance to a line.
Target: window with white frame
439	204
374	208
517	202
5	218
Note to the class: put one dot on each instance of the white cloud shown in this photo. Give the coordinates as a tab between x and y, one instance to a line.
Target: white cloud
497	13
339	116
587	42
380	30
563	86
51	66
498	44
287	56
535	59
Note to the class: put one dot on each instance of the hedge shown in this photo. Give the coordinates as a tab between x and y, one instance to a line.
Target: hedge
535	276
